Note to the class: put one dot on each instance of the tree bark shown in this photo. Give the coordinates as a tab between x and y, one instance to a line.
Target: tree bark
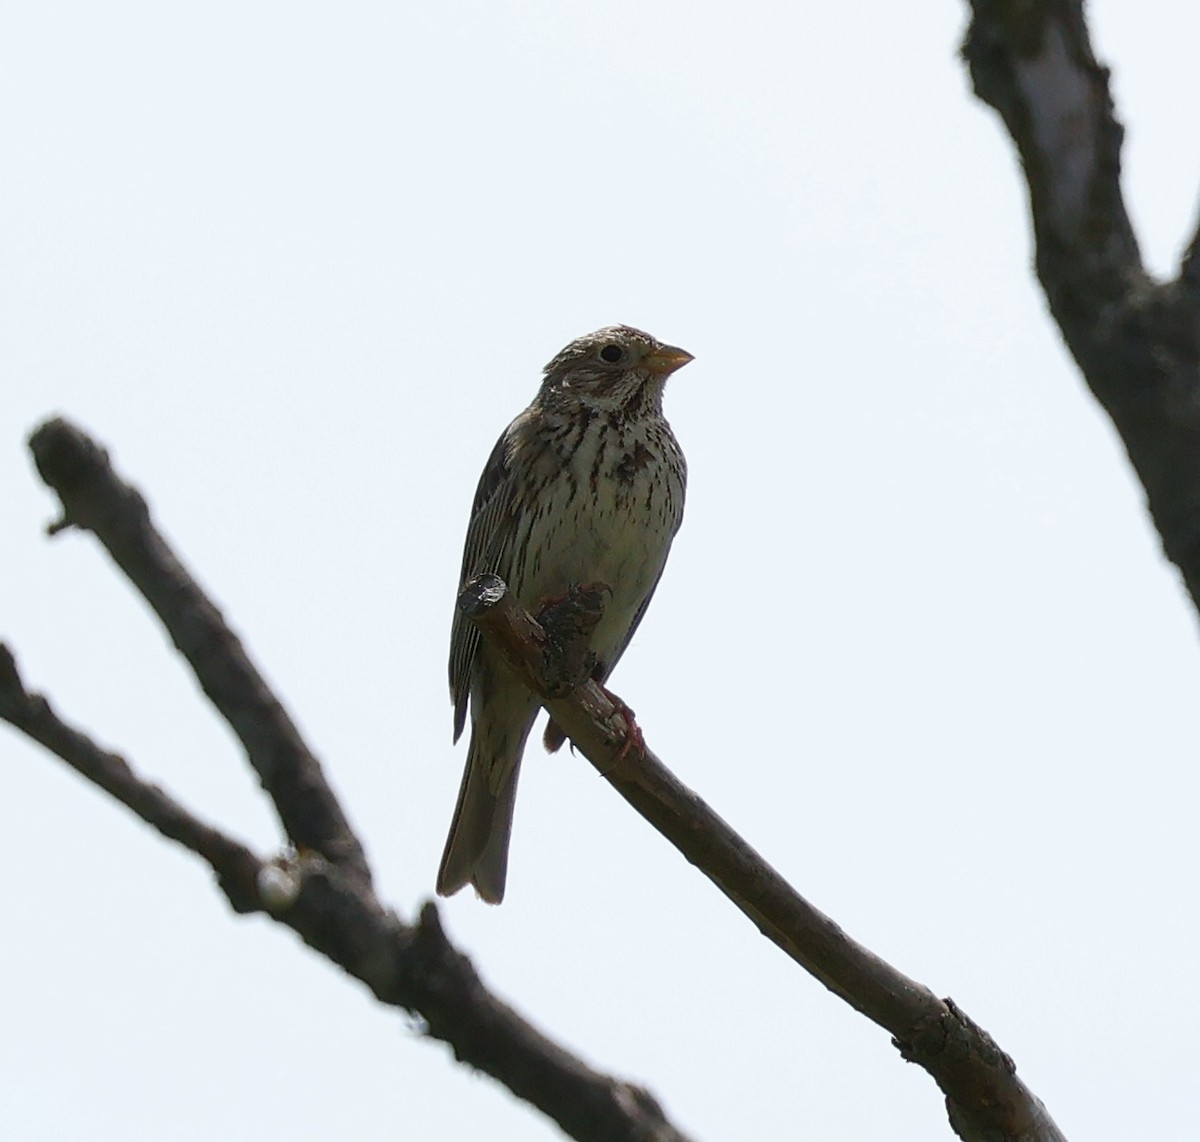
320	886
1137	341
324	891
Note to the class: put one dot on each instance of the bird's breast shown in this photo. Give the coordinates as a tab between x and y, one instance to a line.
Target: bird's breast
608	516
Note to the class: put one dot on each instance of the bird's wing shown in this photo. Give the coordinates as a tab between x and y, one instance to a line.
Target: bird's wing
488	534
638	615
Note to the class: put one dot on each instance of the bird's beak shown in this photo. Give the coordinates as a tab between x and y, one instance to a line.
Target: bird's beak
665	360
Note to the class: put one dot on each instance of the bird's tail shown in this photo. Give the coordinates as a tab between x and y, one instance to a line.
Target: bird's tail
477	848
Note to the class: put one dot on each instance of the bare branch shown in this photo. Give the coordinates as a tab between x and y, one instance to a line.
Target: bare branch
411	967
96	499
329	904
1137	341
235	865
1035	65
418	969
984	1097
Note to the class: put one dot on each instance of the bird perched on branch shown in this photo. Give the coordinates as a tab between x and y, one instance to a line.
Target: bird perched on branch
585	486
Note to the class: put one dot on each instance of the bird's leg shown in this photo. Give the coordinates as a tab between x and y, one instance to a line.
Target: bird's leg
568	620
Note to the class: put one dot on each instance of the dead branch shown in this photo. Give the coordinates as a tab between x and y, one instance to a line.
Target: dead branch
321	889
1137	341
984	1097
94	498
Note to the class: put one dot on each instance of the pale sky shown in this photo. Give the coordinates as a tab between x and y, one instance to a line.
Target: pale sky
298	265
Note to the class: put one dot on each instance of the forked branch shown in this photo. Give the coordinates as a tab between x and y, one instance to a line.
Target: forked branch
1134	339
321	888
324	892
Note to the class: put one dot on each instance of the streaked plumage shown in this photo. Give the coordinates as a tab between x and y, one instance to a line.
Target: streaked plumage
586	485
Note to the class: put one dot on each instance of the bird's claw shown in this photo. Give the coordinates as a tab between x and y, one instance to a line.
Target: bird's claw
634	738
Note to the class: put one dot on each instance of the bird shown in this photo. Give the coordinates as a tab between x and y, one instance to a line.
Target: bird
586	486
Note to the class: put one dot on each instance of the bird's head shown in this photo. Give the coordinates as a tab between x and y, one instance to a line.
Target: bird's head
613	368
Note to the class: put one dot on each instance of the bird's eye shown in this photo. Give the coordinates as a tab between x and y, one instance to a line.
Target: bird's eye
611	353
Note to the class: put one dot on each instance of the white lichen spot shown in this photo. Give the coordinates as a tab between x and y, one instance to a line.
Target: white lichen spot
278	887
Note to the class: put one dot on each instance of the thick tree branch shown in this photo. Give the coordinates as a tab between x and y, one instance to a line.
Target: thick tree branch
94	498
984	1097
329	904
1034	64
1136	341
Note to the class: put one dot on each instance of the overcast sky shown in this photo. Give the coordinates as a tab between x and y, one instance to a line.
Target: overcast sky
298	265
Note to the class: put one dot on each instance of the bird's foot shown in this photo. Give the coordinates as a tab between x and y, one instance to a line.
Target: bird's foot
568	620
634	738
